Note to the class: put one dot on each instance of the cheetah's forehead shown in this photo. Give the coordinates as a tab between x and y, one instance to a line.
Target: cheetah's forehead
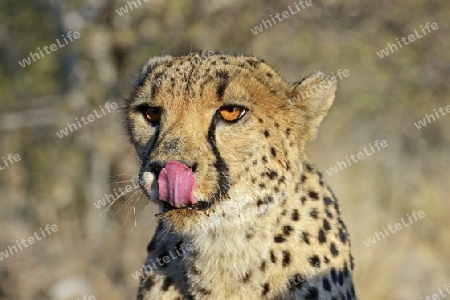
190	75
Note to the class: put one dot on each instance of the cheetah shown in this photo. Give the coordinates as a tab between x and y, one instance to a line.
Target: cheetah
243	213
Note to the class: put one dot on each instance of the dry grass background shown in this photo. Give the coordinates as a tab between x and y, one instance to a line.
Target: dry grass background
58	180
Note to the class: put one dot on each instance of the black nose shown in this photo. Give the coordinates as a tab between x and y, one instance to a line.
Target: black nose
156	166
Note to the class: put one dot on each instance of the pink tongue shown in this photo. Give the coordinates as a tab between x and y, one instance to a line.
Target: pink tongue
176	182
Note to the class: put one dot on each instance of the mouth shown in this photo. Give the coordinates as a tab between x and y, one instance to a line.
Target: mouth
199	206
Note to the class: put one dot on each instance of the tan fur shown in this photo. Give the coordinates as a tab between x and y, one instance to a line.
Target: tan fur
270	206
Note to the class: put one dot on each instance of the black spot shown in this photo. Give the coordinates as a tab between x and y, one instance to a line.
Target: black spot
247	276
194	270
342	236
349	295
273	151
288	131
327	200
313	294
260	120
303	178
303	199
276	125
213	62
268	74
281	179
253	180
334	250
333	275
262	267
288	165
279	239
286	258
284	212
326	284
321	182
352	263
271	174
249	235
314	261
287	230
266	133
147	283
295	215
262	185
305	237
204	291
341	278
253	63
264	159
313	195
309	168
167	283
346	271
314	213
322	236
275	189
259	202
329	214
325	259
255	162
326	225
223	83
273	258
265	289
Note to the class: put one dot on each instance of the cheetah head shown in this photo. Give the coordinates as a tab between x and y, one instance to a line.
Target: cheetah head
220	135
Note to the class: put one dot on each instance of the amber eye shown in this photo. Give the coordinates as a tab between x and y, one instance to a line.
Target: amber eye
152	114
232	113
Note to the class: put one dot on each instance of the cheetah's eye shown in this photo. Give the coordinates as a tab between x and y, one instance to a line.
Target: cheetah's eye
232	113
152	114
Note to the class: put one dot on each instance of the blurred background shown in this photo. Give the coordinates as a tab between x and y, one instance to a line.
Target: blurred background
60	180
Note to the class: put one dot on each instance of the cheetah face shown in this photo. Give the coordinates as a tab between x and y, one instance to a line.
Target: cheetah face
219	135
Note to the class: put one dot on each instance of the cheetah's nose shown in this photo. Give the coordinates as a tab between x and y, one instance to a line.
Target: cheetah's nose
176	182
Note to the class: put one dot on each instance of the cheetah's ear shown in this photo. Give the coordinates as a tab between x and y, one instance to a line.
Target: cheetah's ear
314	96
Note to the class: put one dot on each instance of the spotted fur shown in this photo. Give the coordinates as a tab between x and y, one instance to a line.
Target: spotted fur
267	225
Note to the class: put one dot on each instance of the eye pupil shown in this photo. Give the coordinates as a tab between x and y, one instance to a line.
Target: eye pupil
152	114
